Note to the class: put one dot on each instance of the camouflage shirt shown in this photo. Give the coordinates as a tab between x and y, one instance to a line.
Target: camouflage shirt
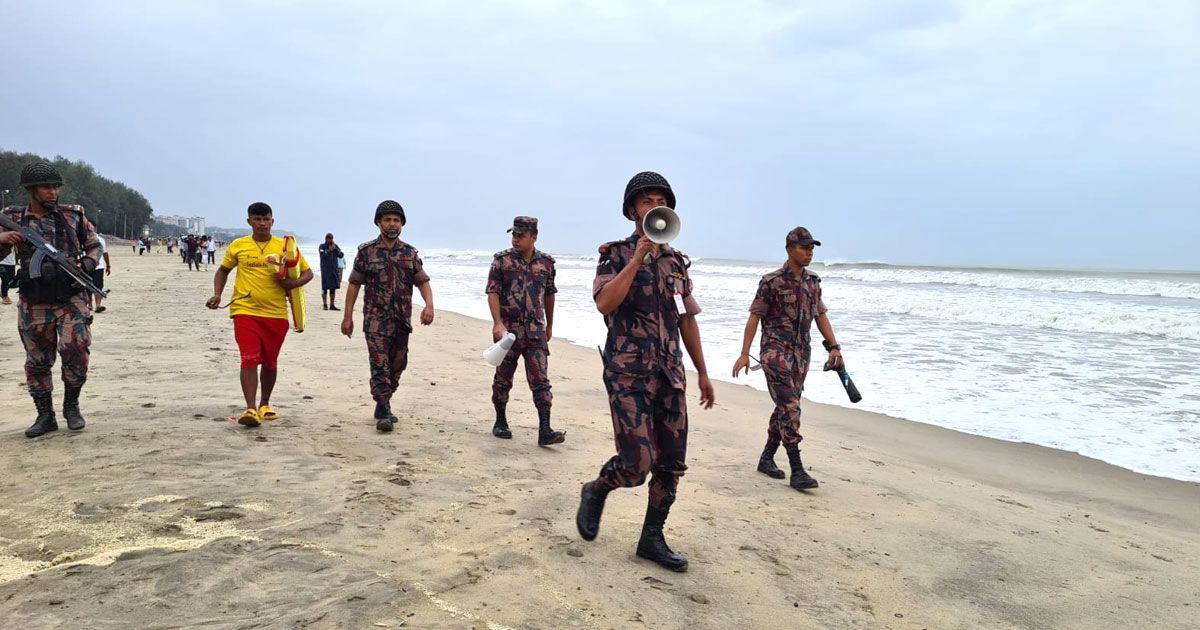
787	306
522	287
389	275
643	333
80	234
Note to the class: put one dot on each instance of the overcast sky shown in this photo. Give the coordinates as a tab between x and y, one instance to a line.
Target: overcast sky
1053	133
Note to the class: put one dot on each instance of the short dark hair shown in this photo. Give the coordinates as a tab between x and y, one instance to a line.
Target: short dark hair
259	209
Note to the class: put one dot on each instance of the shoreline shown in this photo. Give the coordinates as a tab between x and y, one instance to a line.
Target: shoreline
162	507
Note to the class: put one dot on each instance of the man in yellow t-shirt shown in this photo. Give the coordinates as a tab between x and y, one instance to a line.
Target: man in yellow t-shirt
258	307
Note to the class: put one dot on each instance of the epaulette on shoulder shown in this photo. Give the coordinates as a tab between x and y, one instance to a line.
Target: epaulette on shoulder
684	259
368	243
771	275
607	247
502	253
814	276
549	257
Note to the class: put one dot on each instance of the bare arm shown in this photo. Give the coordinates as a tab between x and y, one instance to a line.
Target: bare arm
219	279
826	328
348	308
498	328
743	360
689	329
295	283
427	295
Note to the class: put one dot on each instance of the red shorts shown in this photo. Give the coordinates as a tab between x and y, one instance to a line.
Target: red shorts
259	339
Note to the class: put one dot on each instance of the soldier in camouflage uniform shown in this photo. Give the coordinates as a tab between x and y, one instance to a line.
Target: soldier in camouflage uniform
645	294
788	302
520	290
52	314
389	268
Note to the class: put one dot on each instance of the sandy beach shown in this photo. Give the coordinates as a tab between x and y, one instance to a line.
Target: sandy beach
163	513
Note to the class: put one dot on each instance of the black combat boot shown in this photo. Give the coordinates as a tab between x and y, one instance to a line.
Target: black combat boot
653	546
766	461
71	409
546	435
45	422
384	420
591	506
500	429
800	479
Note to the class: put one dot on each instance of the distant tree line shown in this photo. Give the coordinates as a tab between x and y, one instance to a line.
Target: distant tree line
114	207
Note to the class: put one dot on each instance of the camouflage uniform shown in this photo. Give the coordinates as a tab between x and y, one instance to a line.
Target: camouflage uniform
60	326
388	275
643	370
787	306
523	287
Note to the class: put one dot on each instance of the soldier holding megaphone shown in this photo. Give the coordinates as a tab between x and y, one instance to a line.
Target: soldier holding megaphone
643	289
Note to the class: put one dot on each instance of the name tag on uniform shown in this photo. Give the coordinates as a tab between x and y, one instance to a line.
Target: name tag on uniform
680	307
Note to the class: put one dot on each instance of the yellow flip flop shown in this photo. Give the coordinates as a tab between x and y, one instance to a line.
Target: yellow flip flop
249	418
267	414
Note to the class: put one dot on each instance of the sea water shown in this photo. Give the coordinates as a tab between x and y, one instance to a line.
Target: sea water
1106	364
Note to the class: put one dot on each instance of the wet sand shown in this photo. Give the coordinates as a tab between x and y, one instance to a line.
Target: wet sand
163	513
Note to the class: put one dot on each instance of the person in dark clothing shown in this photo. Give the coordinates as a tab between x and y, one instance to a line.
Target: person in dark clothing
331	277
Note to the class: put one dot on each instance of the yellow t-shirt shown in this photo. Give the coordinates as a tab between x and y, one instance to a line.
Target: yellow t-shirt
255	289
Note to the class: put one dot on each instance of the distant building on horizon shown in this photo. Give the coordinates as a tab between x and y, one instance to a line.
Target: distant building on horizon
193	225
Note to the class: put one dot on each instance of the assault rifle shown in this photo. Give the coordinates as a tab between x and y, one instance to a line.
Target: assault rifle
43	251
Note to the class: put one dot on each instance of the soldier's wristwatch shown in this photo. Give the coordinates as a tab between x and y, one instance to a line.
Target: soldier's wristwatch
831	347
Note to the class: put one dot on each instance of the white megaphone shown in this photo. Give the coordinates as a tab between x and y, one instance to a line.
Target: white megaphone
495	354
661	225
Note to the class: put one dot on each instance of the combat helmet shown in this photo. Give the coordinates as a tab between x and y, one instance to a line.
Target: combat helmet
40	174
642	181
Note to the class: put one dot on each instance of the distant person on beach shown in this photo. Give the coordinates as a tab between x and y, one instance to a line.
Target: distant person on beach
8	273
183	250
199	255
52	314
103	268
645	294
520	292
787	303
259	309
210	248
389	268
332	260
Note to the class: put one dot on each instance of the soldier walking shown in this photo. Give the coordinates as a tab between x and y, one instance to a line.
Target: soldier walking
53	314
389	268
520	290
788	301
645	294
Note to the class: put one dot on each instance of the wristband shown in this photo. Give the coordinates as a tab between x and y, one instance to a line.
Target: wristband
831	347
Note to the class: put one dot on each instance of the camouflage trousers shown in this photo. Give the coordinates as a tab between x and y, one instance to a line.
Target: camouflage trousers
786	370
650	425
49	329
387	352
536	353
